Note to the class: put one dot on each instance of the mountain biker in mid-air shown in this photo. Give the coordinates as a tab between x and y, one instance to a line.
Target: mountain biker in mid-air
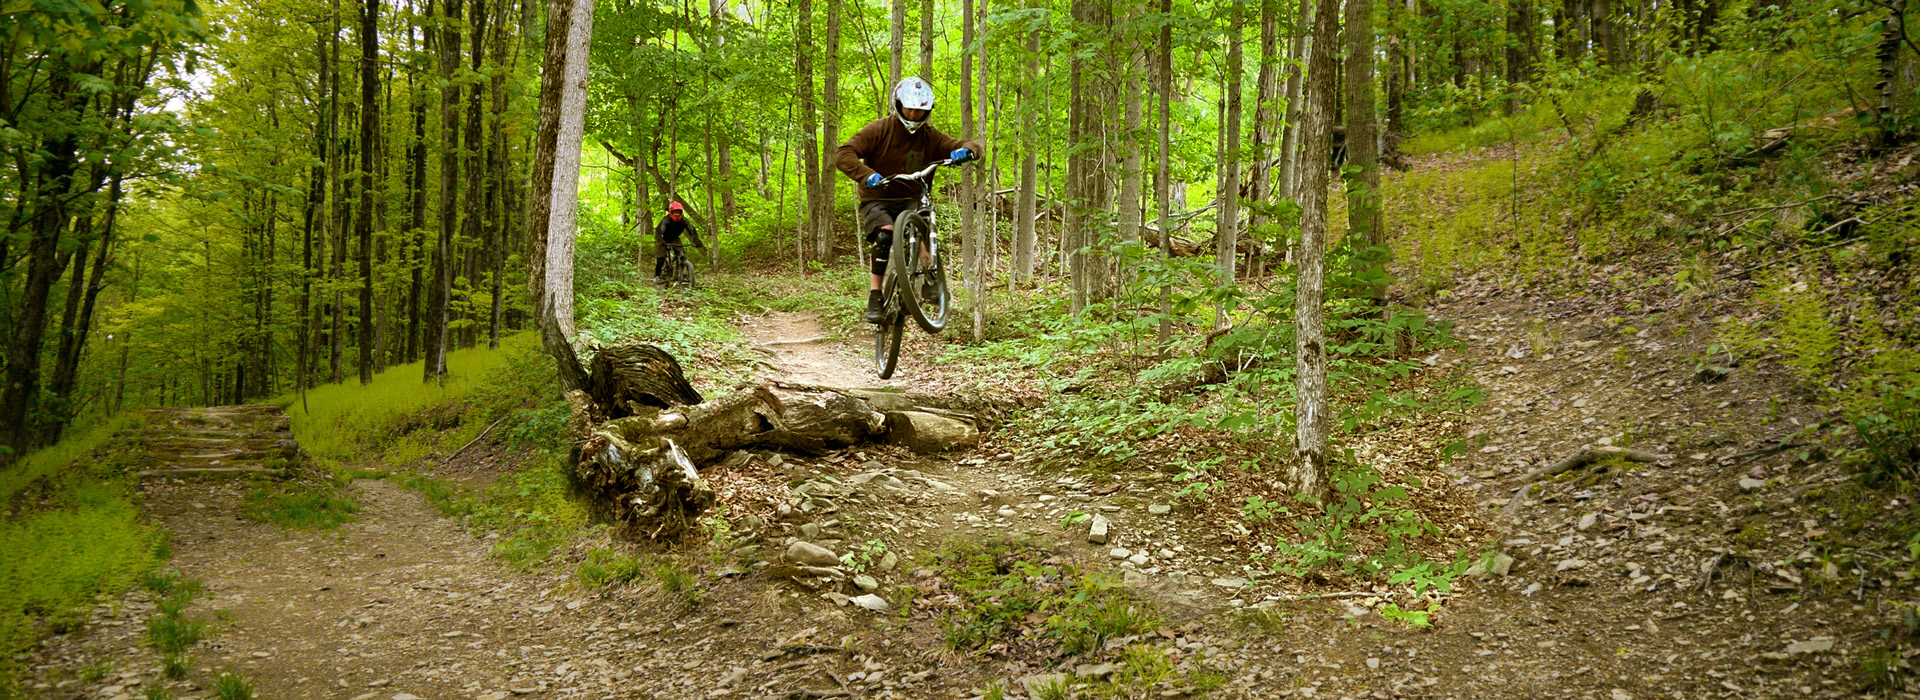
902	142
668	234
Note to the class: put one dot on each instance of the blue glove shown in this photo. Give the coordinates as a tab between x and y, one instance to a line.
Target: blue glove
961	155
873	181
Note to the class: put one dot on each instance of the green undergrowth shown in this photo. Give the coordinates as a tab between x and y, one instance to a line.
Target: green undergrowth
301	505
1021	594
170	631
73	532
1010	598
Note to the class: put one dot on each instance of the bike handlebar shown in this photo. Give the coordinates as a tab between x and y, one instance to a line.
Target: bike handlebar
921	175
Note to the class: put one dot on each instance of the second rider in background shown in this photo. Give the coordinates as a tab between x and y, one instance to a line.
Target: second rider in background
901	142
668	234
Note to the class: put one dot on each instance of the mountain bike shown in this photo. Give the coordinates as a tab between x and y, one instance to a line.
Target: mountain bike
678	270
915	283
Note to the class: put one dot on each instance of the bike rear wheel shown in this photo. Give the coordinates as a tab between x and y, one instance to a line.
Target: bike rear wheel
886	343
921	277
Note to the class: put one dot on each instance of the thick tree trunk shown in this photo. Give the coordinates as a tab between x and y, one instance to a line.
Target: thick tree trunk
1310	470
1887	112
1227	226
1364	225
369	137
926	40
897	42
556	180
439	295
44	264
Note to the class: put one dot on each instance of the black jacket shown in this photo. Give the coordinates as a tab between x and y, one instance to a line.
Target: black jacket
668	232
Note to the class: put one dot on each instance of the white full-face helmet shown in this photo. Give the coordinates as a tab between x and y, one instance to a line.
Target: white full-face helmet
912	93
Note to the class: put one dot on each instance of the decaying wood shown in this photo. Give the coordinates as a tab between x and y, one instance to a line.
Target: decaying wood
641	432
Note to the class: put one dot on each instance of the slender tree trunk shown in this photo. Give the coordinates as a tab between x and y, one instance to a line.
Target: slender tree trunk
473	199
416	214
969	184
369	126
1603	32
1131	216
342	215
1289	174
1396	78
809	124
1310	471
1028	209
830	125
1227	226
44	265
443	262
729	205
556	180
1266	115
1363	191
1162	187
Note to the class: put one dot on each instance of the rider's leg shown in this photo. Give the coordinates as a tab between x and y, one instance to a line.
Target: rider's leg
882	240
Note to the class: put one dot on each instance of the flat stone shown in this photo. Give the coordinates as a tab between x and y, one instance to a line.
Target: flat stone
1094	670
1817	644
810	531
866	583
871	602
1097	531
1230	582
1159	509
1499	564
809	554
1587	521
1751	484
405	696
837	598
1571	564
1120	552
888	561
925	432
1138	558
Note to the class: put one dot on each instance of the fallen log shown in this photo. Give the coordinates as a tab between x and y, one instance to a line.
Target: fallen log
641	432
1585	456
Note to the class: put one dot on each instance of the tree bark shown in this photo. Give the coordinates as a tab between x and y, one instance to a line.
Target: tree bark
1289	174
926	40
1227	225
1266	116
53	179
439	295
1310	471
829	124
556	180
1887	112
898	44
369	135
809	122
1162	188
1363	152
1023	228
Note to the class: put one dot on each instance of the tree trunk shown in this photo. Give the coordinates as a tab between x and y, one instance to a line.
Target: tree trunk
926	40
1310	471
967	192
1887	112
1289	174
829	125
1397	83
416	216
369	137
898	39
556	180
809	123
1364	225
53	180
436	336
1227	226
1603	32
1266	116
1162	188
1023	227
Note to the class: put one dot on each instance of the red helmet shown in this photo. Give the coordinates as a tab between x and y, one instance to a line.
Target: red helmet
675	207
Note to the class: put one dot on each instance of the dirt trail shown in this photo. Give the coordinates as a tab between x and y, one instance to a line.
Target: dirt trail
404	604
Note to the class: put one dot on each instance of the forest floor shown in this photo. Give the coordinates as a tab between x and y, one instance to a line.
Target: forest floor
1725	572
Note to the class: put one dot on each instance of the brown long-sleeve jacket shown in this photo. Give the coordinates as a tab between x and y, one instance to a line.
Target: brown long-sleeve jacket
886	147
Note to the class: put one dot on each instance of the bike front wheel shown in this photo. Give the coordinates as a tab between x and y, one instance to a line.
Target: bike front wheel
921	277
684	272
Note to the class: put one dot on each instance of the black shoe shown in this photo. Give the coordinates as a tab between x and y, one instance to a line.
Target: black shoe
873	308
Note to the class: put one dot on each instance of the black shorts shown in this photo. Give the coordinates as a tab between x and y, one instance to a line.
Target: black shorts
875	213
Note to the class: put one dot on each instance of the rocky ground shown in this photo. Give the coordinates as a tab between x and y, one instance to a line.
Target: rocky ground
1740	565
